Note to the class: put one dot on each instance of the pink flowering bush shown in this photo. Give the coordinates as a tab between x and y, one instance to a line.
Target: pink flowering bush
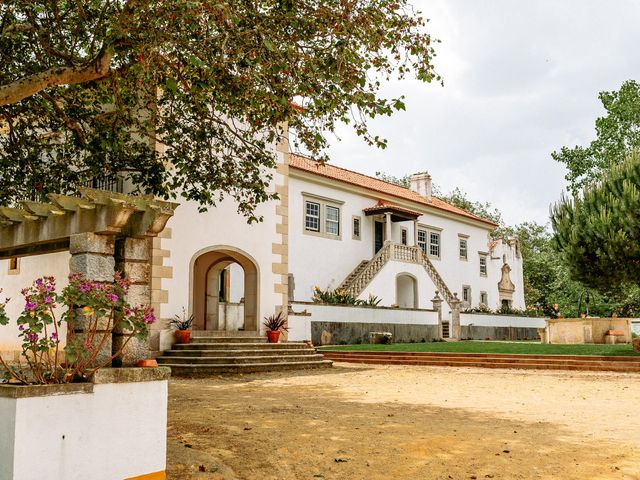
93	311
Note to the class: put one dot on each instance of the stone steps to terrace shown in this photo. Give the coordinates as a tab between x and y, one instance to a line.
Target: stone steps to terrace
209	354
490	360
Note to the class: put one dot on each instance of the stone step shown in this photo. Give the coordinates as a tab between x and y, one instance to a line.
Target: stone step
263	352
487	362
237	346
173	360
187	370
211	339
224	333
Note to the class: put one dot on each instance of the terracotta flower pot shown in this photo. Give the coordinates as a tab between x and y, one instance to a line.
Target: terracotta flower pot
183	336
273	336
149	363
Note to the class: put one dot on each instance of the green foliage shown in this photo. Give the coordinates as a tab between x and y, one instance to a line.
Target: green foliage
617	133
187	96
485	210
404	181
598	233
341	297
96	308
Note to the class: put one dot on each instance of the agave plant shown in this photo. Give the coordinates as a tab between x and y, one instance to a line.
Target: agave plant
182	322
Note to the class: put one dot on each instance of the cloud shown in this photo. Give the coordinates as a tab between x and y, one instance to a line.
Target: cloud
521	80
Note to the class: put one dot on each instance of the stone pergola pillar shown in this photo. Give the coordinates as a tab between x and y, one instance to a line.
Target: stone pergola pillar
437	306
92	257
133	256
455	317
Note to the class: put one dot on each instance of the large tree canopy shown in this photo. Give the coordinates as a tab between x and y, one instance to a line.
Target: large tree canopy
189	95
617	133
598	232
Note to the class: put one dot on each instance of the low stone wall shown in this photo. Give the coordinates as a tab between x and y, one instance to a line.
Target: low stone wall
586	330
341	333
342	324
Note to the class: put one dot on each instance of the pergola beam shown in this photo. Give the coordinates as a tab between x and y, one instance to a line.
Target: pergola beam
42	227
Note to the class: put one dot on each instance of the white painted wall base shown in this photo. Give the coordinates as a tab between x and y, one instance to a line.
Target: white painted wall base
114	432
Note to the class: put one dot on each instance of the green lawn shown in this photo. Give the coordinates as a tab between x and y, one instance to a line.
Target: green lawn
493	347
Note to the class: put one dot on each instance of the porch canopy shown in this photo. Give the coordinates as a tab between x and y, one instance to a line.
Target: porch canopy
396	213
38	228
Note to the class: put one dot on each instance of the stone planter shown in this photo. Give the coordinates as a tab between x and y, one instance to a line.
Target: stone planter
111	428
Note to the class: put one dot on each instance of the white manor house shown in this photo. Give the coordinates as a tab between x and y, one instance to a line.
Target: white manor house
331	228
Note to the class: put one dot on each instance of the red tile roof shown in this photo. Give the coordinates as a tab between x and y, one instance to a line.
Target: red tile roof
327	170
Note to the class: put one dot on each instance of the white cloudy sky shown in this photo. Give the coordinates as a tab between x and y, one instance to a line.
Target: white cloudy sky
521	80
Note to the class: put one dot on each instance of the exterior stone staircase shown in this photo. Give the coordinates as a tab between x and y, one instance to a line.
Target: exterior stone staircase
365	272
213	353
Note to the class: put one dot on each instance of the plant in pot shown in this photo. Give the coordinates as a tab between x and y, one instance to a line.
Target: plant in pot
275	324
182	325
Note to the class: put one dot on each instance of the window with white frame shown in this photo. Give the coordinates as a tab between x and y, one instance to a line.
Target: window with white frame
434	244
429	242
332	220
462	247
483	264
312	216
357	225
403	236
322	217
422	240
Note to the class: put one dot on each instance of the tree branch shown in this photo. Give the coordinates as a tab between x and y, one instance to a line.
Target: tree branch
28	86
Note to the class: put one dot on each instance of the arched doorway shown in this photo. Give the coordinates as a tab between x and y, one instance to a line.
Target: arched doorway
223	278
406	291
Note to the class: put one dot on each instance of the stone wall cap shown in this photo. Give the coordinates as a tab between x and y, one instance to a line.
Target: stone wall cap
129	375
27	391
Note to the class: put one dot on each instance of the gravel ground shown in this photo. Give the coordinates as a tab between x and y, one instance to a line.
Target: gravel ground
404	422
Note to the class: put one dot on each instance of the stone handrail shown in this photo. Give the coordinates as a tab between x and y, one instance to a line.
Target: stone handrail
371	270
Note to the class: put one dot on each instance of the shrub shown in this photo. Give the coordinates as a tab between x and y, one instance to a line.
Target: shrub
342	297
97	309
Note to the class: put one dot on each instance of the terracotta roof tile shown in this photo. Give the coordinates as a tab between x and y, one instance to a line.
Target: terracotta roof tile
375	184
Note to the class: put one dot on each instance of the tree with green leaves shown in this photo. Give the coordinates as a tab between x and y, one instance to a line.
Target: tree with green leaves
598	232
190	95
617	133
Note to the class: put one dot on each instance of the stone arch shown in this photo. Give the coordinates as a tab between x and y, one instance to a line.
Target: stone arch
205	267
406	290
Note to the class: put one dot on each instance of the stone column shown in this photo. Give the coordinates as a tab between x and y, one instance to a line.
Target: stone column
455	317
415	235
437	306
133	261
92	256
387	227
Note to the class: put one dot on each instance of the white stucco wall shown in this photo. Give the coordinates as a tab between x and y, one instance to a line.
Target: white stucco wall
236	283
194	233
30	268
326	262
116	432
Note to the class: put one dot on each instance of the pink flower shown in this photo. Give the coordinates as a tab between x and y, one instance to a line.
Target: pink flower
48	300
85	287
32	336
54	336
30	306
112	297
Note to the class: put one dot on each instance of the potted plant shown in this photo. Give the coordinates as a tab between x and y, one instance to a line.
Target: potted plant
182	324
275	324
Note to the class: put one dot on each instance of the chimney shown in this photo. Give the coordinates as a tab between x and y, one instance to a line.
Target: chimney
421	184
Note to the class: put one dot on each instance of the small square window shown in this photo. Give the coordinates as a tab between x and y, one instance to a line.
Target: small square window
14	266
466	295
483	299
434	244
422	240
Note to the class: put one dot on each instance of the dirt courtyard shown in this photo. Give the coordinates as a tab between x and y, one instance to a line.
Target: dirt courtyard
402	422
